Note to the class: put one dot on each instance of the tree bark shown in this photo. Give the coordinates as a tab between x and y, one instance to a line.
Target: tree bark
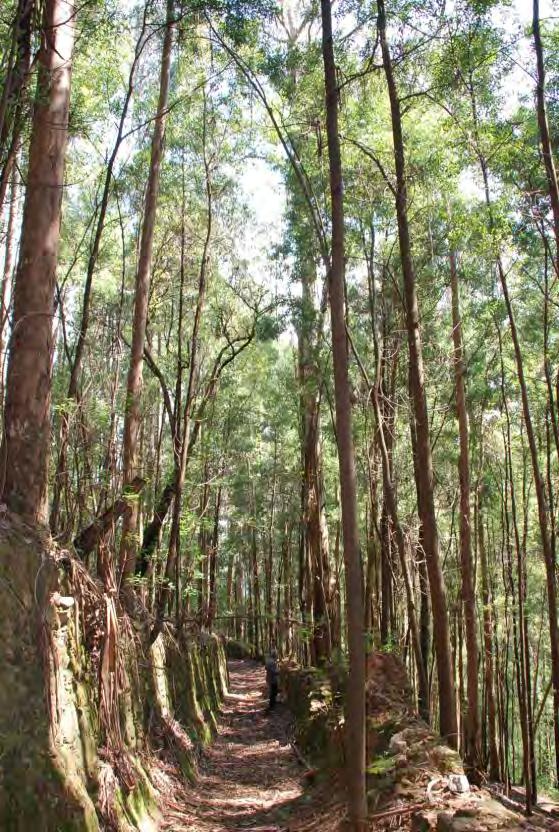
355	708
472	734
543	126
494	762
5	289
90	537
13	94
315	529
441	633
25	447
423	686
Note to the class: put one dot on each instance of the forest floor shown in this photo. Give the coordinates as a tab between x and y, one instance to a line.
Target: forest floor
250	778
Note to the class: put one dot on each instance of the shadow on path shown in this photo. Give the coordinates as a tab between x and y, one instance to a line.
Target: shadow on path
249	778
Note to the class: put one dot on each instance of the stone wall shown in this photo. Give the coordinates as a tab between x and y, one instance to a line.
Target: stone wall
82	693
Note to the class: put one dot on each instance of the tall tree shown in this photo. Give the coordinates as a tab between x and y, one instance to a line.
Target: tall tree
472	732
355	717
132	416
543	125
441	631
27	415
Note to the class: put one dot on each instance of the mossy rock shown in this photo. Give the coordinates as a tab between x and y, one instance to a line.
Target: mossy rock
139	805
42	784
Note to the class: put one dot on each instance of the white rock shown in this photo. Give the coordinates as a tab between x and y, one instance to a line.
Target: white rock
458	783
65	601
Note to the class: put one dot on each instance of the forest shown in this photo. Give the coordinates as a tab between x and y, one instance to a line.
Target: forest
279	378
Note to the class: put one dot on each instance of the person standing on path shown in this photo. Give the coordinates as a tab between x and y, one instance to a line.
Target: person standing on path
272	677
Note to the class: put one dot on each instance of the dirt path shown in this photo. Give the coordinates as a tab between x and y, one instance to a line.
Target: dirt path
249	778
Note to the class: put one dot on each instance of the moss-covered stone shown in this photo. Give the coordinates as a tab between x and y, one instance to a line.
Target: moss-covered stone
42	766
313	697
50	769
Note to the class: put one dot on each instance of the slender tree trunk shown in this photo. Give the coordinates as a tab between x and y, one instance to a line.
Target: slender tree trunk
212	576
269	560
372	568
386	417
518	613
425	600
25	447
472	724
12	102
541	496
543	125
240	605
256	606
494	762
204	544
541	499
441	633
424	622
315	530
15	79
183	436
132	416
518	660
355	714
61	474
6	287
423	694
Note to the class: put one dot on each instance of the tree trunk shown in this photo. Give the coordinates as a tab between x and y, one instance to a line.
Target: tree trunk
355	711
40	783
315	530
13	96
256	606
61	474
543	125
472	734
132	416
6	287
423	686
27	417
540	489
183	438
441	636
212	577
15	79
269	559
494	762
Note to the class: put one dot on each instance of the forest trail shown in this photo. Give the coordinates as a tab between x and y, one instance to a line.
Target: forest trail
249	777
